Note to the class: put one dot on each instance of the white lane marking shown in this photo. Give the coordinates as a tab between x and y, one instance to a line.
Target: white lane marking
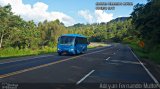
114	63
85	77
114	53
26	59
149	73
130	62
108	58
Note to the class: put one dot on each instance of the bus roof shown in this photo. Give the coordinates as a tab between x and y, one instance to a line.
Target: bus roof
74	35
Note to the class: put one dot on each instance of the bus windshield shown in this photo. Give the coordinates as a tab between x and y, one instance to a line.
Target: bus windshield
67	40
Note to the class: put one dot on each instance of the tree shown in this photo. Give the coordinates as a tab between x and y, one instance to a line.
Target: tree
146	22
50	31
8	22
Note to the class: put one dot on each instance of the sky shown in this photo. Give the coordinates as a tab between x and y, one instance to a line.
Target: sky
69	12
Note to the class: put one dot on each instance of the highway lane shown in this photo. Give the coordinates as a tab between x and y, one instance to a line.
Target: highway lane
122	67
12	66
115	64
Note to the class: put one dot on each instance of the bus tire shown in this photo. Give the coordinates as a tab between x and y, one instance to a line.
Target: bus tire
75	52
84	51
59	54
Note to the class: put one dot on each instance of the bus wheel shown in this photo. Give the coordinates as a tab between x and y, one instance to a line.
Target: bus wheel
59	54
75	52
83	51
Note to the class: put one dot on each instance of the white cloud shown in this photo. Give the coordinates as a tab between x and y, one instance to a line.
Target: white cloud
102	16
86	14
38	12
98	16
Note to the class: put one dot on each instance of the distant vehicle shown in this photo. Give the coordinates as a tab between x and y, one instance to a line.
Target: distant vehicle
72	44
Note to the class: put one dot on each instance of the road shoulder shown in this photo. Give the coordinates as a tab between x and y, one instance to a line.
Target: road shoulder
25	58
153	67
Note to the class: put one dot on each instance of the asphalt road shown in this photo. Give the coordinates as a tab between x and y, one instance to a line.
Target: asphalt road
115	64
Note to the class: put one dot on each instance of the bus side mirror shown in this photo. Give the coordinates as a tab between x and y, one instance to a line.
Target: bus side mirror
58	39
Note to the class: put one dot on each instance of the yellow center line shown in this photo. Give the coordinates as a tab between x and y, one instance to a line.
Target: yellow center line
33	68
45	65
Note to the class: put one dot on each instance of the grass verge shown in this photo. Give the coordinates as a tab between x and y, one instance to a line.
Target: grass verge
15	52
153	54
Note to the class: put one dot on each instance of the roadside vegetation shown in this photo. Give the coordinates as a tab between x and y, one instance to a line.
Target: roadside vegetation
146	29
152	54
19	37
16	52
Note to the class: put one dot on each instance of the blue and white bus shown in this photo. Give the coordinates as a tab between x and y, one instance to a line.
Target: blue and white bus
72	44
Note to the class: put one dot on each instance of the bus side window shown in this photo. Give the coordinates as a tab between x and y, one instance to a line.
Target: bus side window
76	41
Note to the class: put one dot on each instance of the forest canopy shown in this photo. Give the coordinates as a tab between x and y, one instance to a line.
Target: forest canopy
144	24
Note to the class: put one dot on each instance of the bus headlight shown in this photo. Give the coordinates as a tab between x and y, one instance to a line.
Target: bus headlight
72	49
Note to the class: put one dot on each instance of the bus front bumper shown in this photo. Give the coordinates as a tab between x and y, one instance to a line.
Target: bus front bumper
71	51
